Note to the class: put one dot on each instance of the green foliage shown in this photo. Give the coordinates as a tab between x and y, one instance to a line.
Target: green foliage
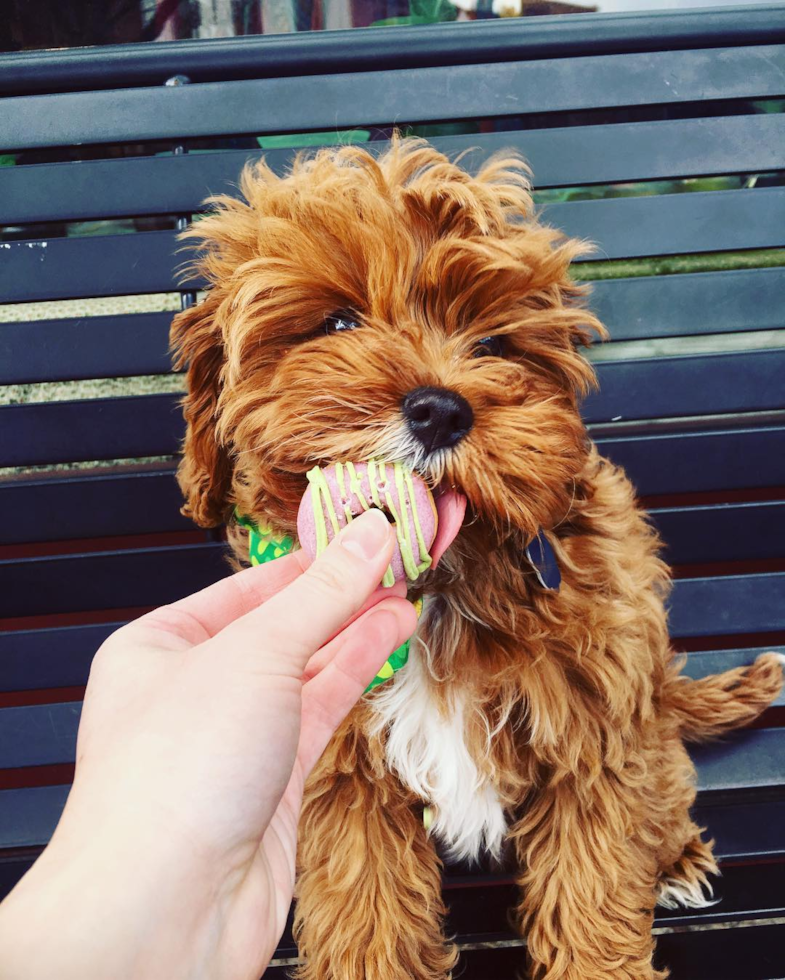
761	258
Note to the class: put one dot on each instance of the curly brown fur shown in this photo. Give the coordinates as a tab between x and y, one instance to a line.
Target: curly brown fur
552	720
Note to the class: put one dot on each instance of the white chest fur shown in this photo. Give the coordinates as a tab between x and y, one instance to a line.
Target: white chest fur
428	751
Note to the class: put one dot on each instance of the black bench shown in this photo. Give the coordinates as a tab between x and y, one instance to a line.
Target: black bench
699	424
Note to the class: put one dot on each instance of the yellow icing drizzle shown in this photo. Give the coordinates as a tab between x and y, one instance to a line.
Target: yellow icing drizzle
347	508
355	485
320	489
425	558
372	483
404	534
322	503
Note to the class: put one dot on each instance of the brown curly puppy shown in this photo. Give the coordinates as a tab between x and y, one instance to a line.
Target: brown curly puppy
548	722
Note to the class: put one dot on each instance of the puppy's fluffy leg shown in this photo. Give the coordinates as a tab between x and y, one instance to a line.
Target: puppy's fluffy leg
685	861
369	901
716	704
587	883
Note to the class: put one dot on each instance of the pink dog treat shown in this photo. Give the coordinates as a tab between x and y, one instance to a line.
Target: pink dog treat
339	493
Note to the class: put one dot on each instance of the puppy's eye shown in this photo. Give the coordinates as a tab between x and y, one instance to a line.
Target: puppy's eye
341	320
489	347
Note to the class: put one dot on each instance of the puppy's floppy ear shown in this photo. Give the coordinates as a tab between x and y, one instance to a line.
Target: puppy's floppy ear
205	472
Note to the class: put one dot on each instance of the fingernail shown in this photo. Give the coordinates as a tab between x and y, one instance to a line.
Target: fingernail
366	536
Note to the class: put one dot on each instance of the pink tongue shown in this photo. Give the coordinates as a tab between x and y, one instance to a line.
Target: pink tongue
451	507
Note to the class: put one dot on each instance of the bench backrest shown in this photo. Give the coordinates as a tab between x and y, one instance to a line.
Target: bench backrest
692	398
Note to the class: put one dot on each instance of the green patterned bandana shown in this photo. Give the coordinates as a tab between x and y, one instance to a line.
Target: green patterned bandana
264	545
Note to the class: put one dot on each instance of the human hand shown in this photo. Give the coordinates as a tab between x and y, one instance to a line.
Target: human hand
175	853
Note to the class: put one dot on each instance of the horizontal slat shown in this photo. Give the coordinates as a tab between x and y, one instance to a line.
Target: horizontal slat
685	462
61	657
751	953
741	831
623	152
672	224
694	303
38	735
32	660
107	580
624	227
705	384
722	532
752	831
28	817
38	586
108	265
318	52
478	904
99	428
152	426
84	347
149	502
95	506
636	308
326	101
751	760
728	605
558	157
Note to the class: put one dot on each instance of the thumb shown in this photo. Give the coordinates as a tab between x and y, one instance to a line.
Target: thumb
301	618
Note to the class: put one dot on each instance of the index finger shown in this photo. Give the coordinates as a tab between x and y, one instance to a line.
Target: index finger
306	614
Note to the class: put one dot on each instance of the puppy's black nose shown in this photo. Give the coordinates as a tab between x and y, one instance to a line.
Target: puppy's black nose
437	417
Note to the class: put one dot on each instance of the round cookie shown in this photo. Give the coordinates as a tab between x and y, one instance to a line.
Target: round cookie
337	494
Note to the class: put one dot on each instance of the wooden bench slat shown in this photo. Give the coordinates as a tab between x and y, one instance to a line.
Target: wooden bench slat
478	908
561	156
700	384
753	759
273	105
728	605
95	428
623	227
94	506
84	347
754	953
672	224
636	308
39	735
669	224
73	268
82	583
28	817
741	831
745	831
679	462
646	388
44	659
319	52
758	889
40	659
148	502
45	734
686	462
722	532
690	303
